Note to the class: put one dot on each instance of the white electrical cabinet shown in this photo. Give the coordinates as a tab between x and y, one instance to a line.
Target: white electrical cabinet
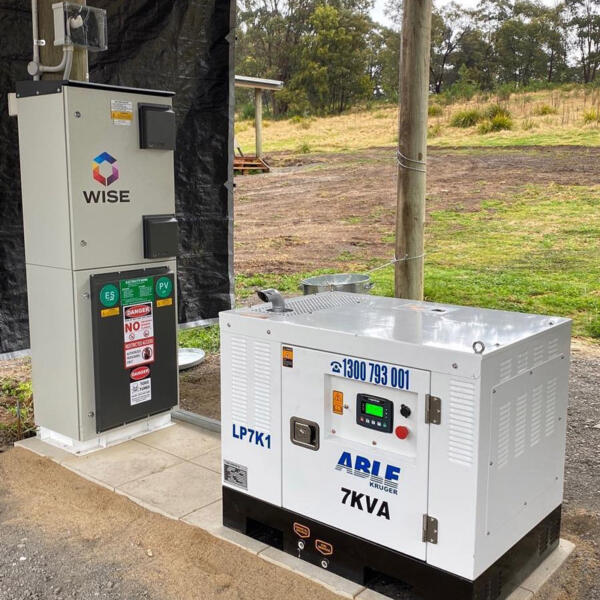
100	245
420	441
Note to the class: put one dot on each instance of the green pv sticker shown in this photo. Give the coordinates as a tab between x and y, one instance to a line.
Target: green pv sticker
109	295
164	287
134	291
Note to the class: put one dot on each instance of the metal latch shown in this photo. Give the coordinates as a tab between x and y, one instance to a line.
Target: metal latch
430	529
433	410
304	433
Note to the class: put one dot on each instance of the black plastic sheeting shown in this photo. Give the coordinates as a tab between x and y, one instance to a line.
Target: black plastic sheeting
185	46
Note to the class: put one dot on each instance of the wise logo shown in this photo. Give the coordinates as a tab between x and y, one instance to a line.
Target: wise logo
380	477
105	196
97	162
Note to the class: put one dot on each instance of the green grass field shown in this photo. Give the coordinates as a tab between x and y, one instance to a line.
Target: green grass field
538	251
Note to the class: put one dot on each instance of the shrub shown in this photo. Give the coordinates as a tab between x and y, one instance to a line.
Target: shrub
497	123
568	87
504	91
302	122
434	130
527	124
304	148
591	116
247	112
495	110
464	88
544	109
435	110
593	328
466	118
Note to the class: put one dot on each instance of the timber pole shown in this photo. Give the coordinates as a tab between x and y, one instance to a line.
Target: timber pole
258	110
51	54
412	148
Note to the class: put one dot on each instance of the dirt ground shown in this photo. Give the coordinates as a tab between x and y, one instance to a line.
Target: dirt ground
64	537
307	213
200	388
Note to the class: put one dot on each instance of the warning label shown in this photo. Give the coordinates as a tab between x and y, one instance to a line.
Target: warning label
121	112
287	355
138	330
140	391
235	474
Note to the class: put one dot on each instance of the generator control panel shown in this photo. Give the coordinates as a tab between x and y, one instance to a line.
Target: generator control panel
374	412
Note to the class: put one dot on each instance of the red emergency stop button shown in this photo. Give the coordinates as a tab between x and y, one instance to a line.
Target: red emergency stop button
402	432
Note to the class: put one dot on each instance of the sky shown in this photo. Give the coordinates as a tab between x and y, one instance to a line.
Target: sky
378	13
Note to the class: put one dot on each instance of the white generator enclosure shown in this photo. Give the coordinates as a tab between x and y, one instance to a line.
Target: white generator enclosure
421	441
100	243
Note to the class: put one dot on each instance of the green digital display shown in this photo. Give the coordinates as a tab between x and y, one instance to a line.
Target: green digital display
373	409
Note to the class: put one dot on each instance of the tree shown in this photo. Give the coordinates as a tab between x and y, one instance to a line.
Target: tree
448	26
530	44
334	66
584	22
389	61
475	58
269	33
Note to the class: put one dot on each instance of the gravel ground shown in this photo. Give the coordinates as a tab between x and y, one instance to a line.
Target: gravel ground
62	536
33	569
35	566
581	507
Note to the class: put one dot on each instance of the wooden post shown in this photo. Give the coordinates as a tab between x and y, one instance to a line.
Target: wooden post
50	54
258	120
412	148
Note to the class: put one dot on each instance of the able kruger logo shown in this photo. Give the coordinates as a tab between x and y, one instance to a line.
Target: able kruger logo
105	178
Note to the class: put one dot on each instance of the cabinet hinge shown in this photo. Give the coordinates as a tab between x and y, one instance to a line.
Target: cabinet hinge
433	410
430	529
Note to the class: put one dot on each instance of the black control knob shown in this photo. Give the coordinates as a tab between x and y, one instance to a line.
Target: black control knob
405	411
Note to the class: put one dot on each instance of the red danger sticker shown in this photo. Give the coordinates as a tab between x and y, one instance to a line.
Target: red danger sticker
138	335
141	310
140	373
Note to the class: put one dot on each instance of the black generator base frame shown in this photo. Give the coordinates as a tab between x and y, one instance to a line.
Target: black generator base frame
380	568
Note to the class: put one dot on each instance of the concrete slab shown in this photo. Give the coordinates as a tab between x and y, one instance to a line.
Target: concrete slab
518	594
183	440
119	464
210	519
521	594
211	460
549	567
335	583
239	539
176	491
35	445
175	472
92	479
